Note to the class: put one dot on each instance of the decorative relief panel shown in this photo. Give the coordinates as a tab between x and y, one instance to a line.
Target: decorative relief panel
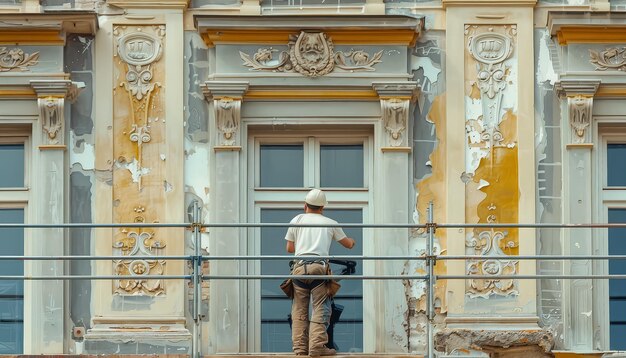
613	58
491	175
139	246
311	54
16	59
580	108
139	176
52	118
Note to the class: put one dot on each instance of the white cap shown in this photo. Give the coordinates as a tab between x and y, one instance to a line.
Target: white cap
316	197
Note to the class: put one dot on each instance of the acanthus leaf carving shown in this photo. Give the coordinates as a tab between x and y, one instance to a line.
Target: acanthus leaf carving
140	246
613	58
580	109
12	59
395	114
52	118
310	54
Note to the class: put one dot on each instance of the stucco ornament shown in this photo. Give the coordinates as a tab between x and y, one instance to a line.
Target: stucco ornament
139	51
580	108
395	114
613	58
490	50
51	114
310	54
227	114
16	59
487	245
139	245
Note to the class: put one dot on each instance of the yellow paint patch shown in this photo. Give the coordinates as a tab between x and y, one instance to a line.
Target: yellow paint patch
433	188
474	92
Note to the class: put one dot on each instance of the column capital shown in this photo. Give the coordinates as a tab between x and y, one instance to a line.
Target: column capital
573	88
224	89
405	89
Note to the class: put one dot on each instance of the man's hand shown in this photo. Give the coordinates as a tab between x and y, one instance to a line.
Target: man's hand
347	242
291	248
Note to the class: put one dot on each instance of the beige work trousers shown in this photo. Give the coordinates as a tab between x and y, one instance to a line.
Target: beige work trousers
310	335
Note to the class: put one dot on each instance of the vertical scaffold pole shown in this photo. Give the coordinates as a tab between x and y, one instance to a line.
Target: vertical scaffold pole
197	284
430	262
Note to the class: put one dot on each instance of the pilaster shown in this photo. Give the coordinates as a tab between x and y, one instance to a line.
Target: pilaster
225	99
393	152
578	313
490	176
47	325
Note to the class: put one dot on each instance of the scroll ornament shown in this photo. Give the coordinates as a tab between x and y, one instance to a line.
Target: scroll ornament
310	54
140	247
490	50
12	59
613	58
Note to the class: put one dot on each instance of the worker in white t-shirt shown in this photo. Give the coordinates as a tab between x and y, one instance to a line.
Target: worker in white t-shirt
309	336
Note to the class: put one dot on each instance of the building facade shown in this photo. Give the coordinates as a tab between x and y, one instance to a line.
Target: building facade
136	111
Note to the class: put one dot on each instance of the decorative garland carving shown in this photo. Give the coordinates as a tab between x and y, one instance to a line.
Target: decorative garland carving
580	108
310	54
138	245
487	244
11	59
52	118
228	115
139	50
610	59
395	114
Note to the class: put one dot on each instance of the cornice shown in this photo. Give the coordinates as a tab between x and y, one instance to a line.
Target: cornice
57	88
361	30
569	88
490	3
407	89
150	4
46	28
220	89
587	27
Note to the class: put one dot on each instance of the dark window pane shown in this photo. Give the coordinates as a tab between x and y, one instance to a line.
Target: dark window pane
616	164
341	166
12	160
282	166
11	292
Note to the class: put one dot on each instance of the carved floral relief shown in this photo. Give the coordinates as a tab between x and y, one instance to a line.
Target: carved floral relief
311	54
227	114
395	113
491	175
613	58
16	59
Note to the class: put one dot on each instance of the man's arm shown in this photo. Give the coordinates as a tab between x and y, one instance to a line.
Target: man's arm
347	242
291	248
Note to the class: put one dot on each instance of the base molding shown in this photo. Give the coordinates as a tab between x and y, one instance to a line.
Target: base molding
119	337
512	342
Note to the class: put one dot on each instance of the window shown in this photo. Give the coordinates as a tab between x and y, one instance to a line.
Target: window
14	195
283	168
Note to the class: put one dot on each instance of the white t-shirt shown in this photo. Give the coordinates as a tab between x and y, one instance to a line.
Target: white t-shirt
313	240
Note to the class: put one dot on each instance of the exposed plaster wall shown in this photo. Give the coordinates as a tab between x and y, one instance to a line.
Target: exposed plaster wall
196	143
79	64
428	176
549	190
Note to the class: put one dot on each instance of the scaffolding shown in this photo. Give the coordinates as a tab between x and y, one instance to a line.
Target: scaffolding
196	277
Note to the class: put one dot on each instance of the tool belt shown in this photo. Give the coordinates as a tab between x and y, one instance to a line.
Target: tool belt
331	285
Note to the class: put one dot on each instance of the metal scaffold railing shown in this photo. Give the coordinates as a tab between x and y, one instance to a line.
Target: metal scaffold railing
196	259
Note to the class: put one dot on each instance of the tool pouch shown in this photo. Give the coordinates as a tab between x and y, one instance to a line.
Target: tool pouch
287	287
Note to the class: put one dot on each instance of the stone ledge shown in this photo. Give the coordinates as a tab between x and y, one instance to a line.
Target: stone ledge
497	343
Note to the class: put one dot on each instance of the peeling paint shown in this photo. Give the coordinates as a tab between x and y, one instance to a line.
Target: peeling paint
82	152
136	172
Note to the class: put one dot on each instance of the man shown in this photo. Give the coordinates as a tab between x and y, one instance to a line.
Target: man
310	337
